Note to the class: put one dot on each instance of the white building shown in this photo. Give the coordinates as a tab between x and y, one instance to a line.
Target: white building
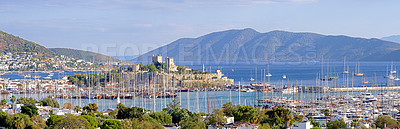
302	125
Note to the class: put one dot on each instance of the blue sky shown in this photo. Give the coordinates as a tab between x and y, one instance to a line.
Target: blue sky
128	27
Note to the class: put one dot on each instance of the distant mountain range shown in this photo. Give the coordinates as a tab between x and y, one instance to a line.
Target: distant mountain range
393	38
11	43
249	45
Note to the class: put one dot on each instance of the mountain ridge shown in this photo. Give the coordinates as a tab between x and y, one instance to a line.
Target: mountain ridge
11	43
250	45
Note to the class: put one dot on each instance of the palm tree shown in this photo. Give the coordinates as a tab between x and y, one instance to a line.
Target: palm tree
287	116
13	99
326	113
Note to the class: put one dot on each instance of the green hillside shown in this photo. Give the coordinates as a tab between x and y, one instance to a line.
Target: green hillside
11	43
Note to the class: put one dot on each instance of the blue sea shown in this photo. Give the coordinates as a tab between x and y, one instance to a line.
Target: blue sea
304	73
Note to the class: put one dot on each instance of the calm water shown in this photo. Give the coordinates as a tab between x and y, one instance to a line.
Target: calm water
305	73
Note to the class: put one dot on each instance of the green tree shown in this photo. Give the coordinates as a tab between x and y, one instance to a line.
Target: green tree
5	119
38	122
77	108
383	120
21	121
91	109
30	110
3	102
264	126
49	102
355	123
70	121
13	102
193	122
152	68
313	122
111	124
93	122
129	113
336	124
13	98
176	112
244	113
217	117
229	109
326	113
51	121
162	117
24	100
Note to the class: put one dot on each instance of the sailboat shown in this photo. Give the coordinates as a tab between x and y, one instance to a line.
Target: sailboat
251	79
345	71
357	73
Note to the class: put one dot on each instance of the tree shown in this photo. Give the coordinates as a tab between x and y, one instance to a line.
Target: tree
38	122
229	109
383	120
129	113
24	100
77	108
176	112
162	117
91	109
111	124
30	110
21	121
51	121
70	121
193	122
313	122
336	124
68	106
244	113
93	122
5	119
13	100
49	102
217	117
3	102
326	113
355	123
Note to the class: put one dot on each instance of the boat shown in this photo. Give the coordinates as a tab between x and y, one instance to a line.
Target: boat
284	76
247	90
345	71
268	75
289	90
251	79
37	76
28	76
47	77
358	73
51	74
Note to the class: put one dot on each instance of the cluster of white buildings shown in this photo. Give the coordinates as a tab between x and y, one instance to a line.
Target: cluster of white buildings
31	84
30	60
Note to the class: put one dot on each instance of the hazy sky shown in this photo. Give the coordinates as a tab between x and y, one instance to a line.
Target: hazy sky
128	27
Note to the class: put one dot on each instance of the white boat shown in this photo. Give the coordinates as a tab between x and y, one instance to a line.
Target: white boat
47	77
289	90
284	76
268	75
247	90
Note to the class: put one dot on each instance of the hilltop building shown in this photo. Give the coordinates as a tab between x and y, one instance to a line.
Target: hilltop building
156	59
170	64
